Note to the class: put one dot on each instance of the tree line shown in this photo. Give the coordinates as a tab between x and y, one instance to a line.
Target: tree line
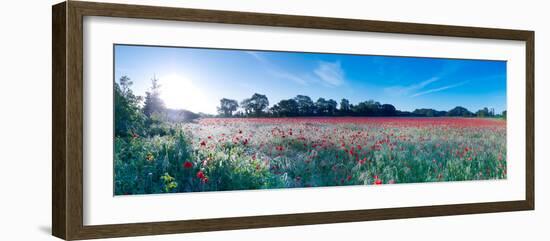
138	115
301	105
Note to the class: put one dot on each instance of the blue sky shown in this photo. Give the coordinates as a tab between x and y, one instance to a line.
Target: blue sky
196	79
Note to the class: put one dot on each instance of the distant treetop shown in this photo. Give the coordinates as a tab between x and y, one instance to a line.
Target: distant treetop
303	105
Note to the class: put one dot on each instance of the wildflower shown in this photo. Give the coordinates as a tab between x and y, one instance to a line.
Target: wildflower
200	175
377	181
187	164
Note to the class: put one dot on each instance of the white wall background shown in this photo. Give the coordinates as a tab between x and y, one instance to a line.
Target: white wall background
25	119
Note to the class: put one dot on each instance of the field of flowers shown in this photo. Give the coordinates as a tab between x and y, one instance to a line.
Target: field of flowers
216	154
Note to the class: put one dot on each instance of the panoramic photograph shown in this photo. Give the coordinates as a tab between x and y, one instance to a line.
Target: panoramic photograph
200	119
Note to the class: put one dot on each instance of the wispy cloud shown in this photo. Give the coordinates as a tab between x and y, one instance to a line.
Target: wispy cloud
438	89
278	73
407	90
418	89
331	73
289	76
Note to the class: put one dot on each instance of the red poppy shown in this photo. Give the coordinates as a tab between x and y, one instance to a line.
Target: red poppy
377	181
200	175
187	164
203	143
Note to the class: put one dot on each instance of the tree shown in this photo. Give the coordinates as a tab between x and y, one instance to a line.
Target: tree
331	107
321	106
344	106
425	112
306	107
360	109
246	105
255	105
128	118
275	111
373	107
227	107
125	84
504	114
368	108
460	111
287	108
388	110
483	112
153	103
353	110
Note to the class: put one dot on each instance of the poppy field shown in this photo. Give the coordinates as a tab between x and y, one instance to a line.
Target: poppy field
218	154
232	119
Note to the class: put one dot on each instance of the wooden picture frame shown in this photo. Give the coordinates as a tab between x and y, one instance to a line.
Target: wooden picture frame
67	123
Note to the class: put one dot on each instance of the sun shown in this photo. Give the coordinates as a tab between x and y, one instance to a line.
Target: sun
180	92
